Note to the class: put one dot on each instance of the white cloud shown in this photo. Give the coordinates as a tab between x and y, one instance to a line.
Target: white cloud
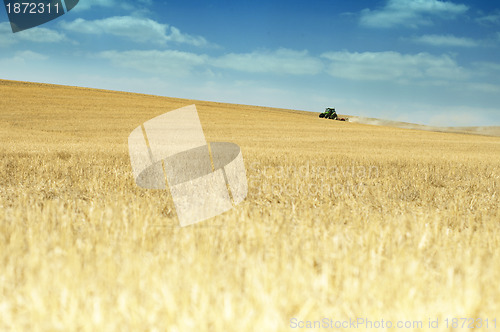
21	59
368	66
135	28
167	62
37	35
490	19
177	36
41	35
6	35
484	87
446	40
138	29
410	13
393	66
281	61
30	55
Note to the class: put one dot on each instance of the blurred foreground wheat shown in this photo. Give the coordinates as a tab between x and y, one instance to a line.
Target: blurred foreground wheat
341	221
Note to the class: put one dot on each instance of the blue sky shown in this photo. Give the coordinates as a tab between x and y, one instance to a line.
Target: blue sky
425	61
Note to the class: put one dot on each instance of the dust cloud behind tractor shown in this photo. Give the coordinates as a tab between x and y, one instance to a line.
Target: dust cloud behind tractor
25	14
205	180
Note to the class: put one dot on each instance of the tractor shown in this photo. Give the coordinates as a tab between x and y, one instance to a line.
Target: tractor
330	113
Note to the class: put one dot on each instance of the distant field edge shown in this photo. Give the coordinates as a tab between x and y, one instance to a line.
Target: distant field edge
478	130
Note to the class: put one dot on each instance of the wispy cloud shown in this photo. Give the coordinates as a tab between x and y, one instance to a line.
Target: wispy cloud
30	55
21	59
367	66
281	61
493	18
410	13
446	41
393	66
166	62
36	35
137	29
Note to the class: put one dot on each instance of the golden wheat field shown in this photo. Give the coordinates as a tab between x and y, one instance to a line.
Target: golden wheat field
342	222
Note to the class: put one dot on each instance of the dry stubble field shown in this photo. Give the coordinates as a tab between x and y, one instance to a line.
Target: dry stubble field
342	220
